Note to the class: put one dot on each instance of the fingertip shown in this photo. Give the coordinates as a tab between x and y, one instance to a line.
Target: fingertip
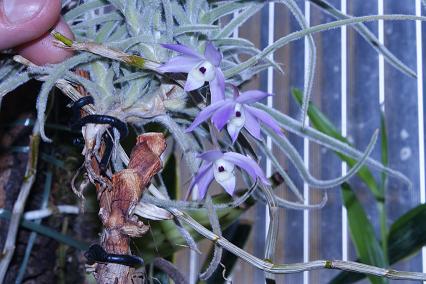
15	30
41	51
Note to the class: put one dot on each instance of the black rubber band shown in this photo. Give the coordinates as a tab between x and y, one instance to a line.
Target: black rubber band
96	253
97	119
102	119
103	165
81	102
78	104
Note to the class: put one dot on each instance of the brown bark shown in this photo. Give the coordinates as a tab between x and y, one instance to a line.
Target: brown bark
116	205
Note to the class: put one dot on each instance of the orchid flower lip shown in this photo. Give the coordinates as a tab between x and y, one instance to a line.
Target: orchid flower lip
204	71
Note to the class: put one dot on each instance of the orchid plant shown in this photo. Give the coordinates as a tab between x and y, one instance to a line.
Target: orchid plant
127	48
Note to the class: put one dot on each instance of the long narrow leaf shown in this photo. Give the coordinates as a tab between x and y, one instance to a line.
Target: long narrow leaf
84	8
406	237
221	11
367	246
408	234
238	20
194	29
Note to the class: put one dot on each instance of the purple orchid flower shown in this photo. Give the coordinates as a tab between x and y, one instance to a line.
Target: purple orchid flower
200	68
220	166
237	113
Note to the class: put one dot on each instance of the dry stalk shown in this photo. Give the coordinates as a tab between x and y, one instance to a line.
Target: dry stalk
18	207
117	204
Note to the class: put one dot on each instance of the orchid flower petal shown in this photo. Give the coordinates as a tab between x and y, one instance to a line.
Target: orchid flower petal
229	185
246	163
252	125
183	49
233	131
266	119
212	54
211	155
223	115
253	96
182	63
204	182
217	87
193	82
200	174
204	115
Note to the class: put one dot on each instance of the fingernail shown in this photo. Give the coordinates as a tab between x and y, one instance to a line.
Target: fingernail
21	11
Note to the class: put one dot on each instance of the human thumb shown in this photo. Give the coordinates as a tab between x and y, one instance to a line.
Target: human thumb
25	25
25	20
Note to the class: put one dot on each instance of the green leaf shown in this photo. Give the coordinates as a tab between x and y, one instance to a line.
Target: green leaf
194	29
367	246
239	20
320	122
408	234
221	11
84	8
384	144
406	237
381	206
13	82
233	42
179	14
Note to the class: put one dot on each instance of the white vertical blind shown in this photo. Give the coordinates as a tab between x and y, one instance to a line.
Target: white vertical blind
420	108
380	11
344	131
270	89
306	247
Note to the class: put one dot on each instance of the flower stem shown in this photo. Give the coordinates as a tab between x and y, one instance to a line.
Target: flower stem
105	51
